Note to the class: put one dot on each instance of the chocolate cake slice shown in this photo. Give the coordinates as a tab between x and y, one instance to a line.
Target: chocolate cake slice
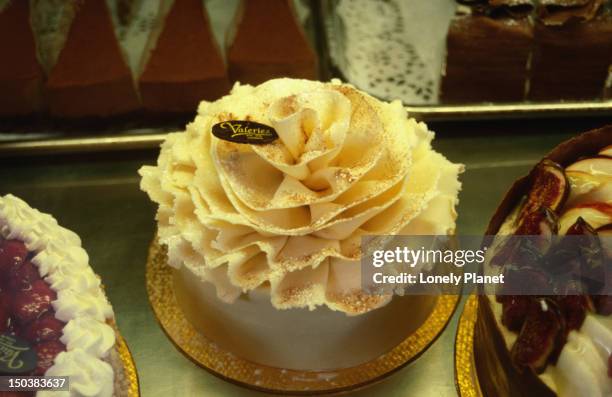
573	51
268	42
184	65
21	77
91	77
488	49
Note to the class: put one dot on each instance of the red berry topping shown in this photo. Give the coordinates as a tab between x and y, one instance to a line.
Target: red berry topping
4	319
574	307
45	328
603	304
22	277
539	335
12	254
30	304
47	351
514	311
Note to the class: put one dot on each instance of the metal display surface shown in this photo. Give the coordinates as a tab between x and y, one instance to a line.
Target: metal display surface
98	197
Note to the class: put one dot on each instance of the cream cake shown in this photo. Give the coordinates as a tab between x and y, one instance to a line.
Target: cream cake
557	345
265	239
52	303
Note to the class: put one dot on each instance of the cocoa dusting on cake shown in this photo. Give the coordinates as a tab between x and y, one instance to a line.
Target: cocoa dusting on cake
275	151
345	176
302	205
301	294
357	301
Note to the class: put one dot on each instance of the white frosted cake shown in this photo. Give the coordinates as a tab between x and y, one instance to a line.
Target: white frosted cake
53	308
265	238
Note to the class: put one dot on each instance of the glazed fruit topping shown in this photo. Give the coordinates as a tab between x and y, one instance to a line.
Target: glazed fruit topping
541	224
555	279
549	188
12	254
30	304
46	328
47	351
25	305
537	340
515	310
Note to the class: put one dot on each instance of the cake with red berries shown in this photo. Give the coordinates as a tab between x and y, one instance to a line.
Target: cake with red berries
554	339
55	319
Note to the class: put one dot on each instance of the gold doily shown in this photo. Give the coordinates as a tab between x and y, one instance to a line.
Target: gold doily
465	366
129	369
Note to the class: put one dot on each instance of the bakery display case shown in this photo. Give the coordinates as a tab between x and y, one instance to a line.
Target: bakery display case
191	191
126	68
472	58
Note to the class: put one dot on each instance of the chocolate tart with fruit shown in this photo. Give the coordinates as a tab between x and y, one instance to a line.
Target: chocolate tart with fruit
55	319
553	345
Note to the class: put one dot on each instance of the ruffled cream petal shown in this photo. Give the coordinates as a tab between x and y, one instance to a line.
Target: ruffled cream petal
291	215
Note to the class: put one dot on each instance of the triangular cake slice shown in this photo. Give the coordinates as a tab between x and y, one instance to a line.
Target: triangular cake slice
181	64
91	77
21	77
268	42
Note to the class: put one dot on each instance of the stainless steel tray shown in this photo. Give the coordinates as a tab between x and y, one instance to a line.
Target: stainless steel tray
17	144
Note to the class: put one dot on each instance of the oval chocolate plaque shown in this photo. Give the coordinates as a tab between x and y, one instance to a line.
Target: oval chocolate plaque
242	131
17	357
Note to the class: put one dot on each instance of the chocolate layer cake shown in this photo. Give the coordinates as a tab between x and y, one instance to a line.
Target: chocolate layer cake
91	77
21	77
487	56
268	42
559	345
185	65
572	53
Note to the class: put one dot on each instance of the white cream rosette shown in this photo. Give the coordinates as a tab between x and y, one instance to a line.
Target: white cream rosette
289	215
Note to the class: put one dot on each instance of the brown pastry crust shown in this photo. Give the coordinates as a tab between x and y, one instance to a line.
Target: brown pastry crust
268	43
21	77
186	66
496	373
91	78
486	59
571	61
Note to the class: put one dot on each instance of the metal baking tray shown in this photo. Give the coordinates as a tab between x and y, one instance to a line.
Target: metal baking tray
19	144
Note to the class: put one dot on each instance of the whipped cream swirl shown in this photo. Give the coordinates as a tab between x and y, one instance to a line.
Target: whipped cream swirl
80	301
290	215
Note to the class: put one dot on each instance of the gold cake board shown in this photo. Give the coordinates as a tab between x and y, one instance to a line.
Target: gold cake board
232	368
129	368
465	367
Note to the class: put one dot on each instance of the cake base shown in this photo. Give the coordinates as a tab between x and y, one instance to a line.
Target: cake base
126	382
230	366
321	339
466	376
